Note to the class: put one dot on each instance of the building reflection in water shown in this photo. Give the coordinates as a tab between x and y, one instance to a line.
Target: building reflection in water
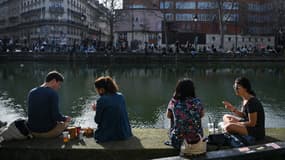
147	88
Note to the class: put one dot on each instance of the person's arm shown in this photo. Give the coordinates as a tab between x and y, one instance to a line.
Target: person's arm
238	113
170	106
99	110
56	115
252	118
233	109
169	114
200	108
252	109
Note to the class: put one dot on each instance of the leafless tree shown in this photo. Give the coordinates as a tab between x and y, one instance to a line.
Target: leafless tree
111	15
278	14
224	15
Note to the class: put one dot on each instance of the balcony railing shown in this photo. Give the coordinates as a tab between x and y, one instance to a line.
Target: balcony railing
56	9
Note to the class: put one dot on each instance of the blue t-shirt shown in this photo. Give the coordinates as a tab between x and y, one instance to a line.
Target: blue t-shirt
43	110
112	118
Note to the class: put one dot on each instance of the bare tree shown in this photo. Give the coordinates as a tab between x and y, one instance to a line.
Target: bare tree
278	26
112	16
224	15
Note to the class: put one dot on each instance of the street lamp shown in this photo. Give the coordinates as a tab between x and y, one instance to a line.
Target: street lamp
236	26
195	19
82	18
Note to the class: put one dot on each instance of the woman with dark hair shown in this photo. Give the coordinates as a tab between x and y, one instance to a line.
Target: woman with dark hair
111	114
250	119
185	111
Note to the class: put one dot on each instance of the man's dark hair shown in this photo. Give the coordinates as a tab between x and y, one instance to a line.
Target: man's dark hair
54	75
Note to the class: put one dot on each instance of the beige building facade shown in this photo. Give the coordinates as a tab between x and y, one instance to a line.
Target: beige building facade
53	22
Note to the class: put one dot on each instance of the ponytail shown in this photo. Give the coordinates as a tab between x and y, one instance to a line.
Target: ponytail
251	92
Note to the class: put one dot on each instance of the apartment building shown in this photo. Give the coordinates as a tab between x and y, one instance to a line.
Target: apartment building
244	22
52	22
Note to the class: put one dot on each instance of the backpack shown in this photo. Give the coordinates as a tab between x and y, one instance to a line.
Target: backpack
17	130
231	140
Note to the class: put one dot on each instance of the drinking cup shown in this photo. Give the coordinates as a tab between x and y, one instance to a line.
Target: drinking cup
65	136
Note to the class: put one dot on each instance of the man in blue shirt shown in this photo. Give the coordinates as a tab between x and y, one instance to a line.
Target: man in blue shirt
44	118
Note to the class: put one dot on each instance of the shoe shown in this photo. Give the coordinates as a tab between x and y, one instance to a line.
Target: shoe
2	124
168	143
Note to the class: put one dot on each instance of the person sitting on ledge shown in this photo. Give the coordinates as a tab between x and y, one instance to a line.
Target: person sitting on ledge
250	119
44	118
111	114
185	112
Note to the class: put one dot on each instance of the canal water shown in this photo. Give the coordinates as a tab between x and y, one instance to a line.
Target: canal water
146	87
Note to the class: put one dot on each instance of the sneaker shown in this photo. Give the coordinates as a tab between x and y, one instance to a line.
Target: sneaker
2	124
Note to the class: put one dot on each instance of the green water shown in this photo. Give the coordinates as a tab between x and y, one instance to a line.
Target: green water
147	88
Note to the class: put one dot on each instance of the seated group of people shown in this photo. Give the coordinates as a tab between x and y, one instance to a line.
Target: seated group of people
46	121
185	111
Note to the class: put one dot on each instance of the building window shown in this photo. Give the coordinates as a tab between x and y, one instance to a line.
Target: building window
184	17
136	6
169	16
207	5
166	5
230	39
231	17
206	17
185	5
230	5
123	36
214	38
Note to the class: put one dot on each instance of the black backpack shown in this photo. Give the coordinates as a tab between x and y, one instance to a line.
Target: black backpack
231	140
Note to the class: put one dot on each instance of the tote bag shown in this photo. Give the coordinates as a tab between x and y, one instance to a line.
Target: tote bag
193	149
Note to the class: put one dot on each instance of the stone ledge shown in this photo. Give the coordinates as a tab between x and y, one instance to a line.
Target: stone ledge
145	144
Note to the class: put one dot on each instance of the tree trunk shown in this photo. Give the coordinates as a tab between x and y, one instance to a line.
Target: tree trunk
221	23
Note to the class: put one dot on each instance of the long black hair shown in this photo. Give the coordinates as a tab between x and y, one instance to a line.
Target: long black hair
244	82
184	89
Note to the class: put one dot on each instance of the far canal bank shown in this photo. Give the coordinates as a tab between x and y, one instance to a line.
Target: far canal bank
138	57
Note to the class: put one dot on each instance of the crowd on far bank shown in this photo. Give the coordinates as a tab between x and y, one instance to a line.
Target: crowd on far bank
95	47
185	111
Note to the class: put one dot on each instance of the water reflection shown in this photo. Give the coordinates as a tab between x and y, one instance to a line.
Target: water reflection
147	88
